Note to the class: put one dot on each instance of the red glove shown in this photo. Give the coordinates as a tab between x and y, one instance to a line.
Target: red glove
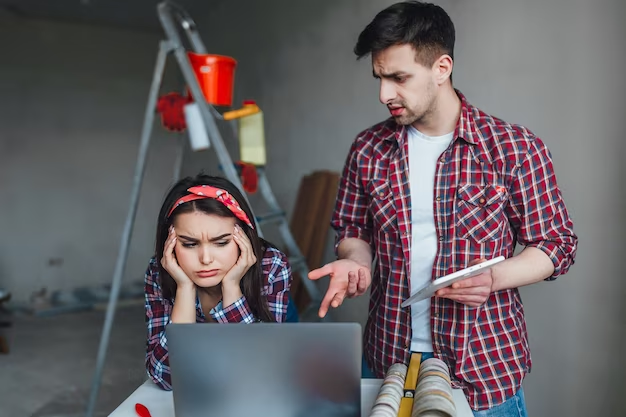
170	106
249	177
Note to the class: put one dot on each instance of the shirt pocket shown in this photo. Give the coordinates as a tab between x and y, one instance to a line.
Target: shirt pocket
382	207
480	212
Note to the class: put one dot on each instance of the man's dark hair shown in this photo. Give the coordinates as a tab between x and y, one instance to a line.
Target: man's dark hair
425	26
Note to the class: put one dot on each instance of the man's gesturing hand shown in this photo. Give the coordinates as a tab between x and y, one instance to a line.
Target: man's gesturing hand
347	279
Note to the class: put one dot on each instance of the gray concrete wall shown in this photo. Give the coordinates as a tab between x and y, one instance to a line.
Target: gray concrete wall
72	100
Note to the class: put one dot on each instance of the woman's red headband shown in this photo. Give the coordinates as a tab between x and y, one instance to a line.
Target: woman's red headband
206	191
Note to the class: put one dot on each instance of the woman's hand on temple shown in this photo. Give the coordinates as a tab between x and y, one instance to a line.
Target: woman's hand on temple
245	261
169	262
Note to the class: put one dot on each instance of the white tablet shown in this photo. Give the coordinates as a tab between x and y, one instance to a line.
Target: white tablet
430	289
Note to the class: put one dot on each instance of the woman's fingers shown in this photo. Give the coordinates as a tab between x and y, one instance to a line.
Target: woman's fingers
247	253
168	249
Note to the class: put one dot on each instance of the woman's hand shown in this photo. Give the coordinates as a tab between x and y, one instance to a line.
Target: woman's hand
170	263
245	261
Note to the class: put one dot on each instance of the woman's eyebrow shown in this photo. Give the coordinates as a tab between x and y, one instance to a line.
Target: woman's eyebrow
191	239
213	239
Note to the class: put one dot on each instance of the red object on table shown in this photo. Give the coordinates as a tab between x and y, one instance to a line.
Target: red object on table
142	410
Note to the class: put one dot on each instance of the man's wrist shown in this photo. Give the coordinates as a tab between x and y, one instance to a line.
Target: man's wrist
367	265
496	281
356	250
361	260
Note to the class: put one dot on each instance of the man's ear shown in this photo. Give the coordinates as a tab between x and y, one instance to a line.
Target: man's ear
442	68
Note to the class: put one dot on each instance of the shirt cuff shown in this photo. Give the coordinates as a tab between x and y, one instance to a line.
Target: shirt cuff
237	312
555	253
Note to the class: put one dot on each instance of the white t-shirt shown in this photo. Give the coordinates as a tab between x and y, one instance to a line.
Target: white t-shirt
424	152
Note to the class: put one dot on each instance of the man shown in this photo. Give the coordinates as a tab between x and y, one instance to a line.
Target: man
437	187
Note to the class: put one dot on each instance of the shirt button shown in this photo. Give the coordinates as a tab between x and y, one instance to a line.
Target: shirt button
481	201
381	194
438	199
441	238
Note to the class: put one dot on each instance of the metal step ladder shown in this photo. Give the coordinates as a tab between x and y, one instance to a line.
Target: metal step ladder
277	216
173	18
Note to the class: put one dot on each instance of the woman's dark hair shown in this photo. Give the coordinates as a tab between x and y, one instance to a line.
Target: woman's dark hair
425	26
252	282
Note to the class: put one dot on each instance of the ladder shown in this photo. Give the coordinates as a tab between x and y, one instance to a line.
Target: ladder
173	18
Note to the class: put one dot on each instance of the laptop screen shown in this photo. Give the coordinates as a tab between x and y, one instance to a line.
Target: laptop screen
266	369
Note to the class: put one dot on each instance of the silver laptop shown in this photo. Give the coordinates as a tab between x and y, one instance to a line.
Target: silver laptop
266	369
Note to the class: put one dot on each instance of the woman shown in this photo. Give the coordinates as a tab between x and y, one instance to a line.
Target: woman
210	266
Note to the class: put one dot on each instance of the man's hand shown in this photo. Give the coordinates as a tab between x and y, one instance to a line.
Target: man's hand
347	279
473	291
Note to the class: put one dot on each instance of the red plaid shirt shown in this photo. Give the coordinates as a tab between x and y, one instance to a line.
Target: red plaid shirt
278	278
495	184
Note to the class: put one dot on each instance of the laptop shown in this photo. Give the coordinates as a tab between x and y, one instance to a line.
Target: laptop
265	369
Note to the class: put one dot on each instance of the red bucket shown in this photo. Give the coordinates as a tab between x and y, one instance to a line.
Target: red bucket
216	76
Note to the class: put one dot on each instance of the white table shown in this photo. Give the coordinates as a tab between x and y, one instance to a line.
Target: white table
161	403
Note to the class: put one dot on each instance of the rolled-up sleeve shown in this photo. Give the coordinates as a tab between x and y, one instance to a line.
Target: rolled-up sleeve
277	270
158	316
537	210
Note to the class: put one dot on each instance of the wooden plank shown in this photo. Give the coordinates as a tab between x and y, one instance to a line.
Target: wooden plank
301	228
310	223
4	345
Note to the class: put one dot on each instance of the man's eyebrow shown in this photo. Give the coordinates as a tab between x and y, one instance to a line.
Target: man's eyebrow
390	75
